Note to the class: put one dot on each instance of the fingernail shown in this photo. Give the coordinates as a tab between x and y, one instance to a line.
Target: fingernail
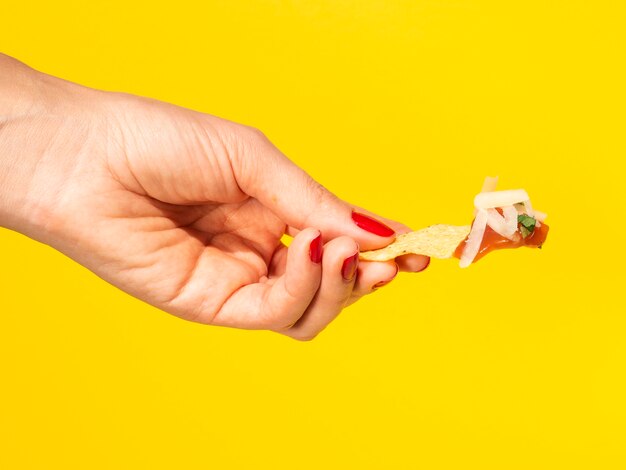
315	249
371	225
348	270
384	283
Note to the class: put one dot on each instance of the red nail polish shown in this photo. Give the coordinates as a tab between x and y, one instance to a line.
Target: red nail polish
372	225
315	249
384	283
348	270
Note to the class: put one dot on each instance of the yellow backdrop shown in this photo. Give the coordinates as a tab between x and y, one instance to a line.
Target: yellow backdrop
399	106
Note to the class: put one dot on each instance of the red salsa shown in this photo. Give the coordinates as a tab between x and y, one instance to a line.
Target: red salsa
494	241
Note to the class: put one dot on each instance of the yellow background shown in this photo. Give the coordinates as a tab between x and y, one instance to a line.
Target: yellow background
399	106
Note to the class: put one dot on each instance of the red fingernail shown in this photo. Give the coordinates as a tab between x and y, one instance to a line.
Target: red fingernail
315	249
371	225
384	283
348	270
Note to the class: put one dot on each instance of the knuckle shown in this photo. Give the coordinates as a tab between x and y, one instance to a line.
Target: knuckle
247	148
320	195
255	135
346	243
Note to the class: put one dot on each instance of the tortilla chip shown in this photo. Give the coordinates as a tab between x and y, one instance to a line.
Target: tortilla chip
436	241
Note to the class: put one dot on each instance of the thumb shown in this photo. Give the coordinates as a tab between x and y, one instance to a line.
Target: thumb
264	173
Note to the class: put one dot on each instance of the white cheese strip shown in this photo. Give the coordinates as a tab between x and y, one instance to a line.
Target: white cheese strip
510	216
475	239
529	208
499	224
500	198
490	184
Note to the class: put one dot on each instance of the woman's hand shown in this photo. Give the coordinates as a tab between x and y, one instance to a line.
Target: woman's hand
181	209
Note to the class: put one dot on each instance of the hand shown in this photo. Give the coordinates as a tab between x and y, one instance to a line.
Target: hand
181	209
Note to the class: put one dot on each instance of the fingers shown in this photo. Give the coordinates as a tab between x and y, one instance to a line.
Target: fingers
278	303
413	263
397	227
313	285
407	263
339	273
373	275
263	172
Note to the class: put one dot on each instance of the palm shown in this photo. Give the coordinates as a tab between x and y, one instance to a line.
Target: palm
172	255
174	248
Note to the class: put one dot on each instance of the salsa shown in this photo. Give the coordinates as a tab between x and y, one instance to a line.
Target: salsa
494	241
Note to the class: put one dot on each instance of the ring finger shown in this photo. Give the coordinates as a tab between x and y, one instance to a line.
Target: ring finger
339	273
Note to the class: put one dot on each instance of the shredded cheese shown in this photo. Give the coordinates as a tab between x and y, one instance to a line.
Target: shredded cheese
500	198
486	203
472	245
499	224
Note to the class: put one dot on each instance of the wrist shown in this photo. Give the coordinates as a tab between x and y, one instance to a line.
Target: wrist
24	136
15	170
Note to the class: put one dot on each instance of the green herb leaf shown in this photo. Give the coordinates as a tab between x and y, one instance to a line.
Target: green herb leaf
527	224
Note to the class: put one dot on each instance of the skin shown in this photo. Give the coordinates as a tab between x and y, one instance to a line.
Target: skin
179	208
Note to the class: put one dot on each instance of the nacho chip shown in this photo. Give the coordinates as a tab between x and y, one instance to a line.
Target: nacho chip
436	241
